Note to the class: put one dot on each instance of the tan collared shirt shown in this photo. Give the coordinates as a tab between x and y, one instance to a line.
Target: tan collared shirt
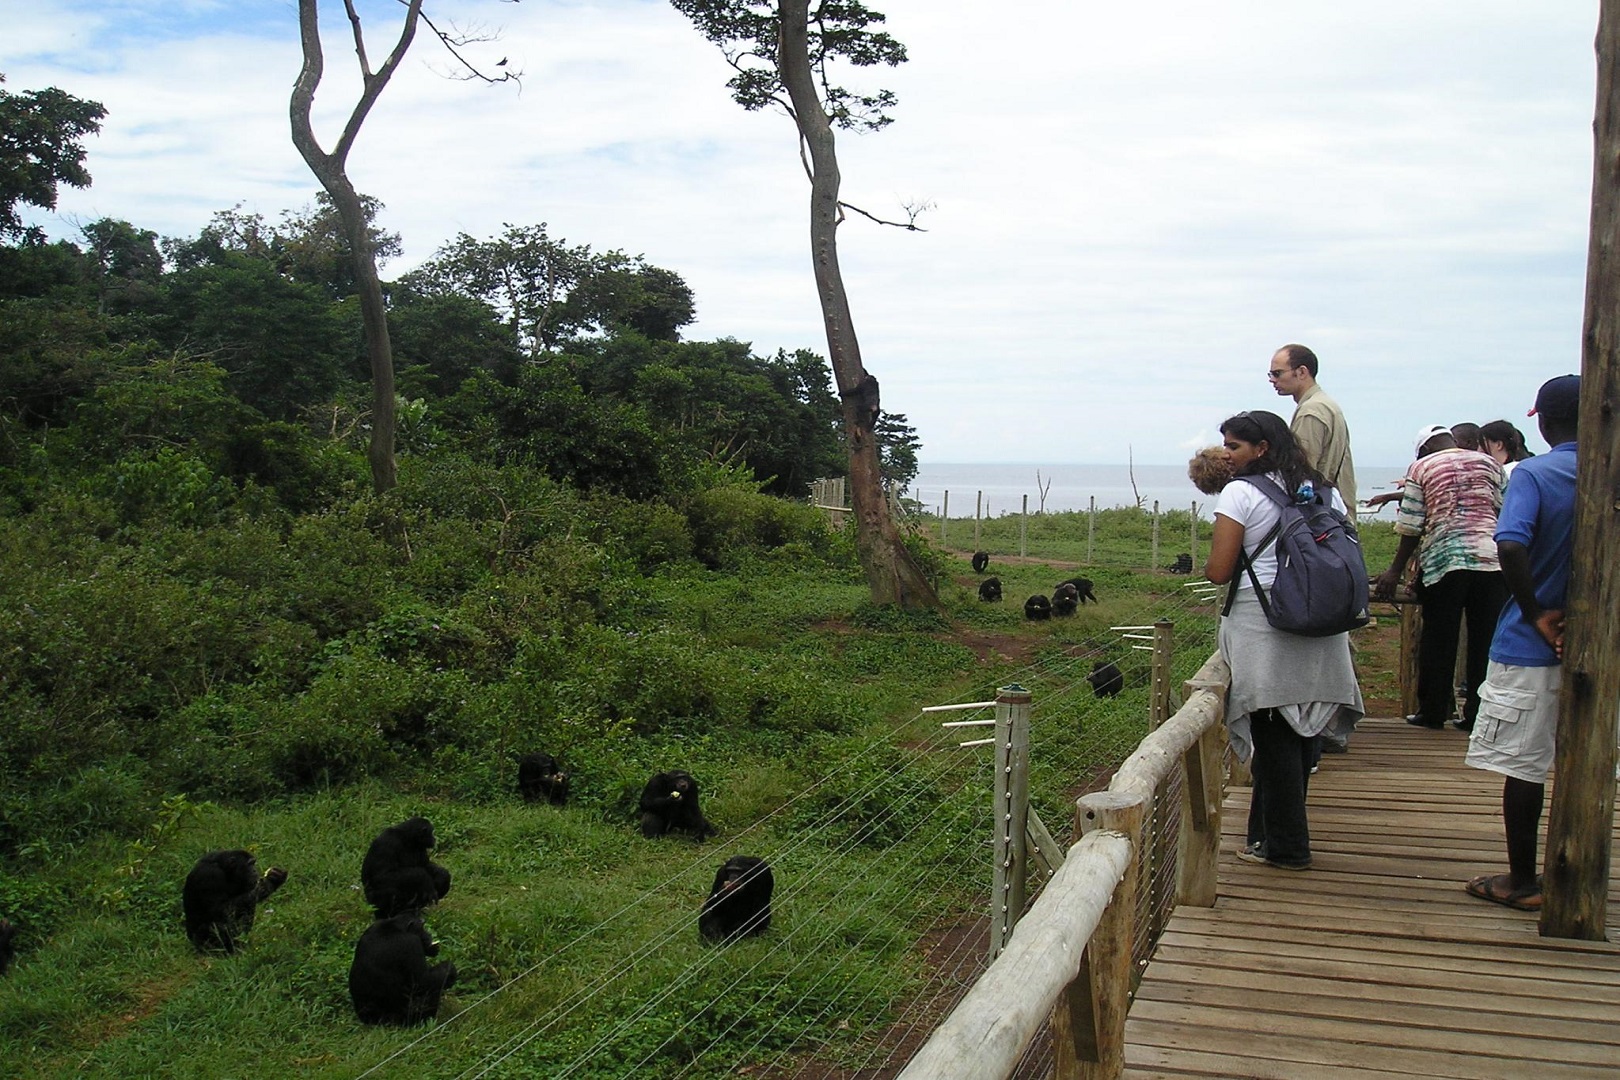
1324	438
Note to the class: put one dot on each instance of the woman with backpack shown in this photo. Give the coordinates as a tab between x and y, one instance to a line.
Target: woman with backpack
1287	687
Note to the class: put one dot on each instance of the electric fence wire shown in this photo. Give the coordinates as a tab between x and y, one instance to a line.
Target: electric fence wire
894	810
1042	671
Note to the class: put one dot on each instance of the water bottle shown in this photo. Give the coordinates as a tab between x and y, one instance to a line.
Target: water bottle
1306	493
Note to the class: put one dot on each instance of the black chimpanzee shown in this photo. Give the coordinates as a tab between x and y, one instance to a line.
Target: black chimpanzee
397	875
1182	565
390	981
739	905
1038	607
981	559
8	945
670	801
990	590
1083	587
1065	598
220	894
1106	679
541	778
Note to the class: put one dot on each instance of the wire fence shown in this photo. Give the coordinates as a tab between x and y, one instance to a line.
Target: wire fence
818	1013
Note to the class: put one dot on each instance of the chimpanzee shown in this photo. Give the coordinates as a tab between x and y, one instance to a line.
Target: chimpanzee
1182	565
670	801
8	944
981	559
1083	587
220	895
990	590
390	981
397	875
1106	679
541	778
1065	598
1038	607
739	905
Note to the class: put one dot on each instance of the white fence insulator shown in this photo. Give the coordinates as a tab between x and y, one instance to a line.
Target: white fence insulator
978	742
991	722
1148	627
1137	637
959	708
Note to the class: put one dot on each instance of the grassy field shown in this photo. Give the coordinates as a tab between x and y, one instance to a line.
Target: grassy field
574	937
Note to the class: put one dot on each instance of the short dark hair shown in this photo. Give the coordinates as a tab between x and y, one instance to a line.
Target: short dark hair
1467	435
1509	436
1299	356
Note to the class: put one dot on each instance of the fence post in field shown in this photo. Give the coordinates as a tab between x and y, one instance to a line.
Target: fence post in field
1007	892
1091	530
1088	1022
1153	564
978	512
1159	706
944	517
1193	539
1023	522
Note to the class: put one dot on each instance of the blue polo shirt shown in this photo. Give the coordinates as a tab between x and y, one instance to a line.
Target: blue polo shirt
1538	512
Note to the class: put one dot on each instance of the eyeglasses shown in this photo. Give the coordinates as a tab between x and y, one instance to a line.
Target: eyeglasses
1275	375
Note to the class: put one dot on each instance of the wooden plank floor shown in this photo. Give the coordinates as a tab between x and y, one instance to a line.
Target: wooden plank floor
1375	963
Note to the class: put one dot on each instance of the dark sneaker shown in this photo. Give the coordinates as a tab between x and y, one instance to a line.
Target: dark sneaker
1254	853
1335	746
1419	720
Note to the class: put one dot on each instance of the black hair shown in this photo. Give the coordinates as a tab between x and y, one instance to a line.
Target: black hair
1282	453
1299	356
1509	436
1467	435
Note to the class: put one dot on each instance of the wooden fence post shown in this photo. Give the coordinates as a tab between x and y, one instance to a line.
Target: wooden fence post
1091	531
1023	522
1159	706
978	512
1088	1023
1007	892
1193	538
1153	563
944	517
1199	840
1407	666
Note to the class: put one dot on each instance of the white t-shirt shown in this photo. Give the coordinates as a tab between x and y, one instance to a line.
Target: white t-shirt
1248	506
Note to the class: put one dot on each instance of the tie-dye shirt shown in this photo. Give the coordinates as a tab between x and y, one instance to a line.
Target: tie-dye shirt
1451	499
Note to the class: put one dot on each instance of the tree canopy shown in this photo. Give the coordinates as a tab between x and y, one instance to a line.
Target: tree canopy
41	133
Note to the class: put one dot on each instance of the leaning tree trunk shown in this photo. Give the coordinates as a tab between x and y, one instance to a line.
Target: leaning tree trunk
1580	825
892	575
330	170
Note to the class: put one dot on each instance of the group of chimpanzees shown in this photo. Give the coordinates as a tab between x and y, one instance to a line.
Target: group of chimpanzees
1067	596
390	980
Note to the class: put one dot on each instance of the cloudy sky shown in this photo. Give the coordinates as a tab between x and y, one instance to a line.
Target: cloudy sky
1133	204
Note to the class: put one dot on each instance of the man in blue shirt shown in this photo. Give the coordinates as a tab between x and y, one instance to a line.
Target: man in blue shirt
1517	725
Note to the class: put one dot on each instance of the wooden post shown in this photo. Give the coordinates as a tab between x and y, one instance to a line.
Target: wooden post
944	517
978	511
1091	531
1582	817
1407	669
1192	542
1199	844
1023	521
1159	703
1160	841
1088	1024
1007	892
1153	563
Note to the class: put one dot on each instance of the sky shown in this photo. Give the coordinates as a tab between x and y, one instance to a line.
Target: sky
1131	205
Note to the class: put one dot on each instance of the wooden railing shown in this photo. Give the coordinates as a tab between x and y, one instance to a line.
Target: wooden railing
1076	954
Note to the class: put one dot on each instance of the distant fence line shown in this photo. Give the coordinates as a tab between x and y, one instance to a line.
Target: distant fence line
1023	515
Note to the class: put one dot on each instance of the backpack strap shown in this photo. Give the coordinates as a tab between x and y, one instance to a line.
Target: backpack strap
1269	488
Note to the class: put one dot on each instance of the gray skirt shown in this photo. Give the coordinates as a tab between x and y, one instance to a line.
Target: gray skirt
1310	681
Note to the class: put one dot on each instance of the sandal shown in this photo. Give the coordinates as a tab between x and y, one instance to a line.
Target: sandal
1498	889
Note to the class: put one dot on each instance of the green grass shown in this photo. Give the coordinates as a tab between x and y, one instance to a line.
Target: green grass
575	938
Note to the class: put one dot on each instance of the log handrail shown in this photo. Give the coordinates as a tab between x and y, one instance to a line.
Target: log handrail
1070	958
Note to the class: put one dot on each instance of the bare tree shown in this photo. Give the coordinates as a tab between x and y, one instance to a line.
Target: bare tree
1043	487
781	49
331	169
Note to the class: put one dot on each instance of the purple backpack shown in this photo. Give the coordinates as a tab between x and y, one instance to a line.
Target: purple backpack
1321	585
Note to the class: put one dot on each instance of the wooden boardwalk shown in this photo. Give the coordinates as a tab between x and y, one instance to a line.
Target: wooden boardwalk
1375	963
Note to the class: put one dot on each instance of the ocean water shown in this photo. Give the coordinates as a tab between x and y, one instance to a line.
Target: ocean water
1071	487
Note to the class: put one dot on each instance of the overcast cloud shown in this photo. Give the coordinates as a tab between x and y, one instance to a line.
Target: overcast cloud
1133	204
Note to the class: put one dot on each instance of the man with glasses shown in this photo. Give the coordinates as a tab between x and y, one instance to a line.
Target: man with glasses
1318	425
